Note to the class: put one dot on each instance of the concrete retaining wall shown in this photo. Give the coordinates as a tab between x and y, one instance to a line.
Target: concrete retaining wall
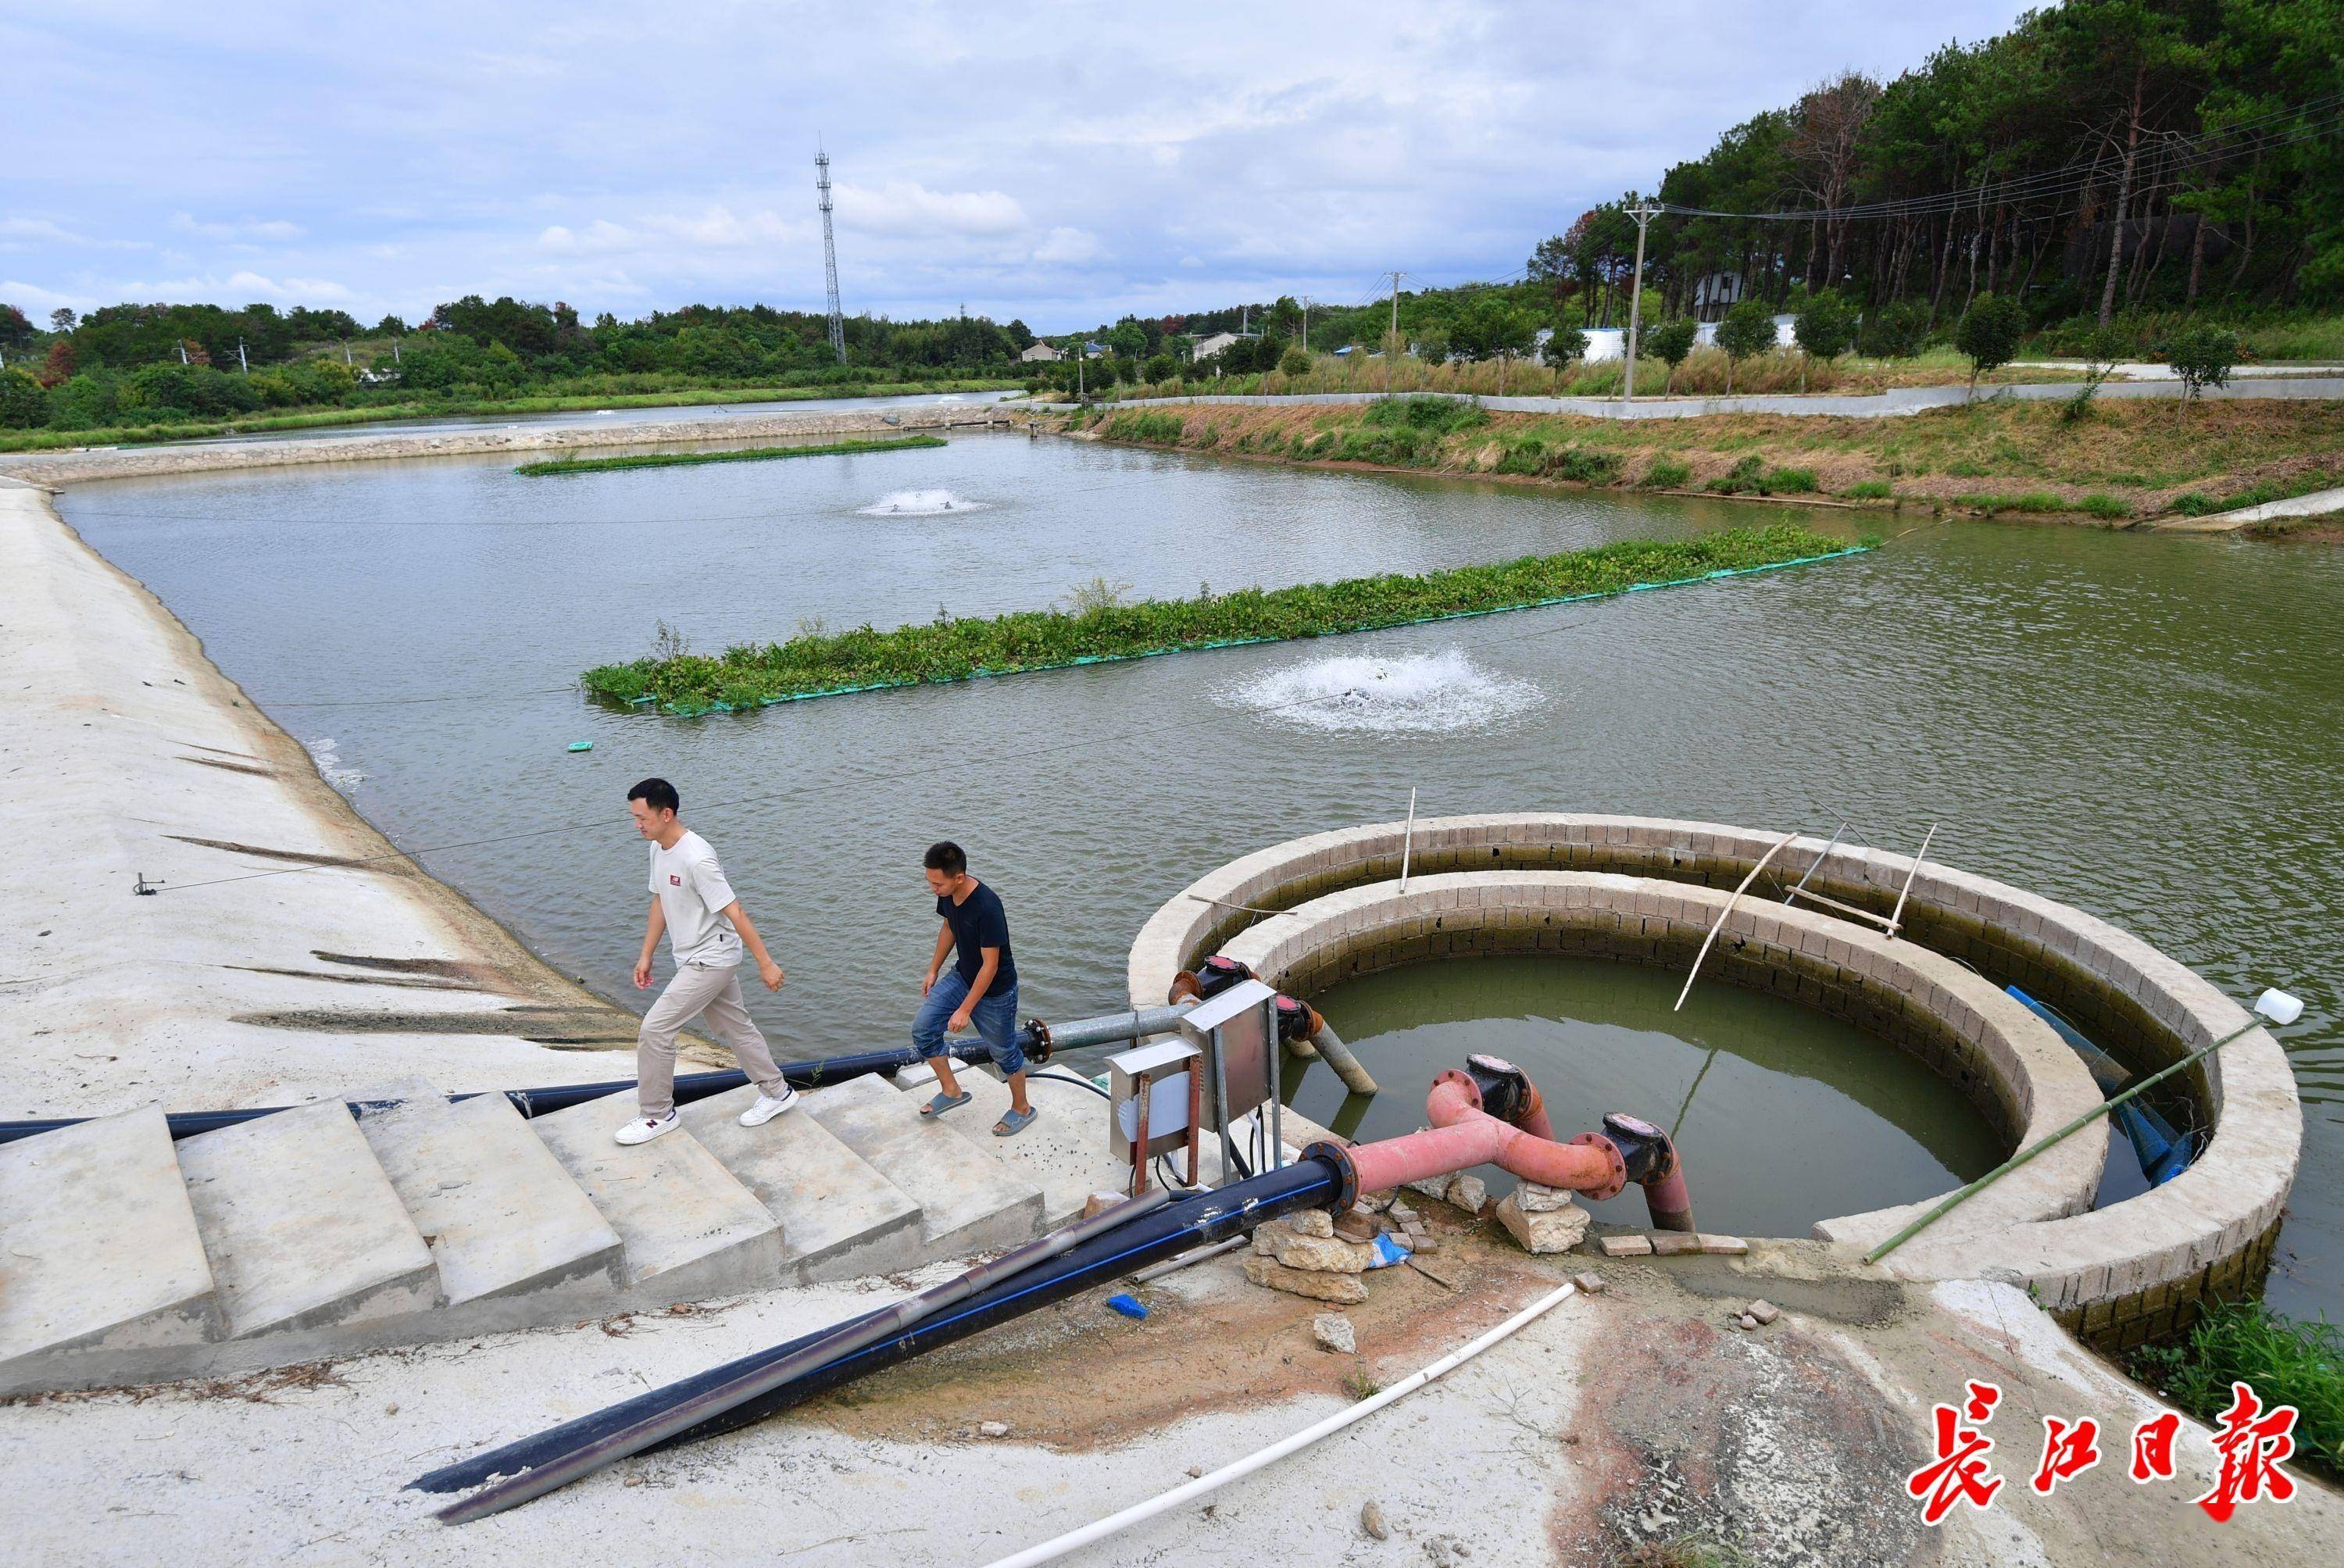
2118	1275
2020	1075
1895	400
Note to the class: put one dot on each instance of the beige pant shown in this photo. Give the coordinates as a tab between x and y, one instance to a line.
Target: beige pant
697	992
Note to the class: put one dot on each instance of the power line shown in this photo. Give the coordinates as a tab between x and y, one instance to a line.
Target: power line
2068	179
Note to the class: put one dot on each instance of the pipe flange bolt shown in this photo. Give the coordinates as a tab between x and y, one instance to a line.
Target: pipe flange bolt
1616	1180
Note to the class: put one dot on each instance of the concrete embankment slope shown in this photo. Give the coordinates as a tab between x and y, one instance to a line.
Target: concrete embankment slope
125	462
125	752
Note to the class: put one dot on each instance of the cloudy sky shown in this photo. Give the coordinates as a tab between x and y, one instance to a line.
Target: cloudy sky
1059	162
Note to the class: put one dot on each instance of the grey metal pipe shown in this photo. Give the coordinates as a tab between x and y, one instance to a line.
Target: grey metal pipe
1110	1028
1339	1056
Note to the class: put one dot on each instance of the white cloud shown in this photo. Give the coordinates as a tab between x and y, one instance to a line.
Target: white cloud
247	229
32	298
1070	245
901	207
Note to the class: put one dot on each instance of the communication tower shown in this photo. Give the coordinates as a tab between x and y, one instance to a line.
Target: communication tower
830	256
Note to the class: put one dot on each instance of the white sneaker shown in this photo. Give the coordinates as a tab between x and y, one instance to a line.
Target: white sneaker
767	1107
644	1128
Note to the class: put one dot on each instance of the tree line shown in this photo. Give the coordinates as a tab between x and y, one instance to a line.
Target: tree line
137	364
2102	158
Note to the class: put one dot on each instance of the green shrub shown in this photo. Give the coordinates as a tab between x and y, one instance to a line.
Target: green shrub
1787	481
1527	456
1586	467
1743	479
2286	1362
2100	504
1870	489
1667	473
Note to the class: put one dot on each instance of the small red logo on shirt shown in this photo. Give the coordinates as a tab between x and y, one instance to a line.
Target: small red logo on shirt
673	880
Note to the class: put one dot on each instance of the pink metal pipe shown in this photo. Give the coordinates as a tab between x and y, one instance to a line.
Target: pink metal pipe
1464	1135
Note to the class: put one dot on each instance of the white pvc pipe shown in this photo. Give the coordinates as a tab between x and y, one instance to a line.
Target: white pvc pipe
1051	1551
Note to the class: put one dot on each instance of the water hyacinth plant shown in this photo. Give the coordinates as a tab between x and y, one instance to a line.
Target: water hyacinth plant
744	455
1100	627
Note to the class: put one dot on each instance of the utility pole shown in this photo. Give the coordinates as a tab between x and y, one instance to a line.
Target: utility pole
1643	212
829	254
346	352
240	359
1391	344
183	353
1305	323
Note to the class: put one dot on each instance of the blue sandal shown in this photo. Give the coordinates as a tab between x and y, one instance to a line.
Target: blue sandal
943	1102
1014	1122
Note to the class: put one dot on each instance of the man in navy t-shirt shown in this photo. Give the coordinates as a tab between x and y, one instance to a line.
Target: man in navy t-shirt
980	989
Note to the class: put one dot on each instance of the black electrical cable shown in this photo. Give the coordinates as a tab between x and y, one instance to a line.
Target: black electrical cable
1040	1078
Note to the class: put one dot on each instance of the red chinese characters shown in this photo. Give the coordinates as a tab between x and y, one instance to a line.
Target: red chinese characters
2068	1451
2152	1448
1959	1473
2251	1445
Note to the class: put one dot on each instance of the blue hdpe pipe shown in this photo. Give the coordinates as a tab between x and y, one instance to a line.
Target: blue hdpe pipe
2163	1153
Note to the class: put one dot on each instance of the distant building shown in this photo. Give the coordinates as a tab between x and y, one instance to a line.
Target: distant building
1041	353
1092	350
1207	347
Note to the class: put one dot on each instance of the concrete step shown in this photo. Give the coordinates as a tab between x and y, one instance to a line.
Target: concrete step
302	1226
968	1203
1064	1152
501	1216
840	1218
691	1228
101	1251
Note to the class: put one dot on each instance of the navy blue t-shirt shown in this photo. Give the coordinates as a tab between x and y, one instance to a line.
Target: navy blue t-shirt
977	923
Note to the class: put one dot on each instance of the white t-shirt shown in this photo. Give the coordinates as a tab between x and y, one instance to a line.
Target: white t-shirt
691	889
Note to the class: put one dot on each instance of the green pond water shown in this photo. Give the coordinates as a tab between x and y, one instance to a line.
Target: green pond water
2144	726
1783	1117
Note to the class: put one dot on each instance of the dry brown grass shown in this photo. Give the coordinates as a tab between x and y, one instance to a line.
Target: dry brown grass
2122	459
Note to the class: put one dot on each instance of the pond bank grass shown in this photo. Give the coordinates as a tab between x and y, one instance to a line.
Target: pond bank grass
821	665
745	455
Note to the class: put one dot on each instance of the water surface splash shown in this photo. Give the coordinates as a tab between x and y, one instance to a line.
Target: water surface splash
919	504
1396	693
330	766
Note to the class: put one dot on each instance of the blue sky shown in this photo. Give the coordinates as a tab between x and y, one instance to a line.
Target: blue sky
1063	163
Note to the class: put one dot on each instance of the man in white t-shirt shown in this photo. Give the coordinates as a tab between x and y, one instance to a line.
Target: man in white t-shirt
707	929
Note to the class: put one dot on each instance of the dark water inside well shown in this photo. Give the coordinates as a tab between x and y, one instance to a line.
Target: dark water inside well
2145	727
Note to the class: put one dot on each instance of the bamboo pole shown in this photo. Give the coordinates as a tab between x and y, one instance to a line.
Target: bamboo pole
1896	915
1722	914
2023	1155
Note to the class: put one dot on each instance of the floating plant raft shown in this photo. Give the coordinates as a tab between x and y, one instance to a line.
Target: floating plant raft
952	649
745	455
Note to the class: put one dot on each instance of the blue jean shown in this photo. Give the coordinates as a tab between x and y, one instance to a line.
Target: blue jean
995	1018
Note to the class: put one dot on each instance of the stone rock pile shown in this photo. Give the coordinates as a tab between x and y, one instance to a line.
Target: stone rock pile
1543	1219
1301	1255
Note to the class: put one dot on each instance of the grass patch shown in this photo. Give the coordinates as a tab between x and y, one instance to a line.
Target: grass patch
1752	476
1140	425
1587	467
2285	1360
2102	505
746	455
1870	489
821	663
1667	473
